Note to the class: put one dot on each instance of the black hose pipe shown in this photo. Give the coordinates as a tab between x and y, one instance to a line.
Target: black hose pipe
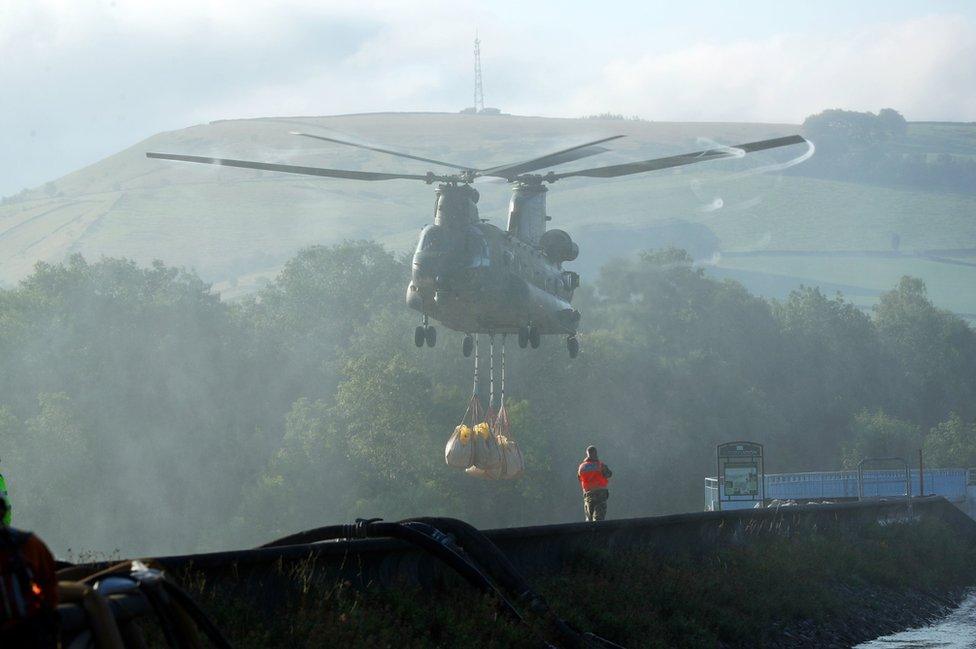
199	618
483	551
480	548
471	572
486	554
157	600
476	556
327	533
374	528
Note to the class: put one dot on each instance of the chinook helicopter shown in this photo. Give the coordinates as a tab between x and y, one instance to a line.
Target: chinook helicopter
474	277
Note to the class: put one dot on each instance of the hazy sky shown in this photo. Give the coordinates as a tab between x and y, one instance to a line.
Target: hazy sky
81	79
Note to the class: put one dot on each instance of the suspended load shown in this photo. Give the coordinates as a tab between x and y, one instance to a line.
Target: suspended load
496	455
461	447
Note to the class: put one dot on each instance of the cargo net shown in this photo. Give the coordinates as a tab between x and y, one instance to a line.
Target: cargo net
482	443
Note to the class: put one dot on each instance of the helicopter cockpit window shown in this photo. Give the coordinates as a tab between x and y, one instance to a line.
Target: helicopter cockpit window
476	249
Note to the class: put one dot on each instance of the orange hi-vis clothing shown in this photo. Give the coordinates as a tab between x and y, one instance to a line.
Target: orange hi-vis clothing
593	474
28	591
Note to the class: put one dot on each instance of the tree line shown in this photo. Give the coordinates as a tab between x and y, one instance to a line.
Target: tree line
868	147
139	411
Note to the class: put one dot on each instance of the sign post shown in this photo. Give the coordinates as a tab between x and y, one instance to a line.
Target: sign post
741	475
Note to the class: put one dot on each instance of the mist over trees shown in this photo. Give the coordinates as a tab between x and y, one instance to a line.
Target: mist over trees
138	411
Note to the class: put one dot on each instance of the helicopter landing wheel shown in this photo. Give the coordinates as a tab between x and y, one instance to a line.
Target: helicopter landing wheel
573	345
535	338
523	337
430	336
419	335
467	345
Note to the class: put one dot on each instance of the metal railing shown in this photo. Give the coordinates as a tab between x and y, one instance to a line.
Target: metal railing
711	494
889	478
953	484
950	483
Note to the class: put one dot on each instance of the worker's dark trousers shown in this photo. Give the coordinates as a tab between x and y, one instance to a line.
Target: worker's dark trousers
595	504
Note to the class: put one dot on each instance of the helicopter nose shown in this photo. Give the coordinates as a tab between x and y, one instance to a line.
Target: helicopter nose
430	279
422	281
428	268
422	273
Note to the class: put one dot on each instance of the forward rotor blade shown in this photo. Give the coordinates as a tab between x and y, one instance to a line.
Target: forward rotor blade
292	169
510	171
679	160
381	150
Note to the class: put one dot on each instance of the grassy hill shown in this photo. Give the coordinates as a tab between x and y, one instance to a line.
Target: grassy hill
237	226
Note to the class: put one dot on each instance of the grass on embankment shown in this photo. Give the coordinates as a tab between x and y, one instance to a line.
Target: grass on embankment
744	596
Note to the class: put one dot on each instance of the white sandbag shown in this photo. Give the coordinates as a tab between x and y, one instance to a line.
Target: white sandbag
487	454
498	472
475	472
510	466
514	460
459	450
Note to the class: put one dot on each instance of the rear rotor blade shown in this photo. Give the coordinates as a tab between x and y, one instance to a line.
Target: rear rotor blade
679	160
510	171
292	169
381	150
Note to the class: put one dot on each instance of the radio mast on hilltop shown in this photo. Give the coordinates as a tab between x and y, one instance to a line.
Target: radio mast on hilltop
479	91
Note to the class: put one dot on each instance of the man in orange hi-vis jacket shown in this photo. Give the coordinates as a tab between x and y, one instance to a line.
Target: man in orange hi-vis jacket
594	477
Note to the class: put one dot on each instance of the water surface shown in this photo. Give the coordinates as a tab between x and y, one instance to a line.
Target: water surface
955	631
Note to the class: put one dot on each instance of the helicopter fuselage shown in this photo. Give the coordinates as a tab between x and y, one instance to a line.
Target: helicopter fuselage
474	277
479	279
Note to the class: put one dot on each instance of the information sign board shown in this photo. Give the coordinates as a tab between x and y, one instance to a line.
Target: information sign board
740	474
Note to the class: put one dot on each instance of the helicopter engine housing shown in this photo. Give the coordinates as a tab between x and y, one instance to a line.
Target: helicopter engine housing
558	246
527	212
456	205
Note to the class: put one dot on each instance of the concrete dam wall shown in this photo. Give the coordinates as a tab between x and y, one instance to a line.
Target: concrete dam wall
538	550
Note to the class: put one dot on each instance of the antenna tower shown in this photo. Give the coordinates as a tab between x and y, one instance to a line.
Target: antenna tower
479	91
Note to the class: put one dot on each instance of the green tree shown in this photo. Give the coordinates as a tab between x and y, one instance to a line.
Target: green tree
892	121
308	481
46	491
877	435
841	130
301	322
935	354
832	366
138	406
147	363
386	411
951	443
